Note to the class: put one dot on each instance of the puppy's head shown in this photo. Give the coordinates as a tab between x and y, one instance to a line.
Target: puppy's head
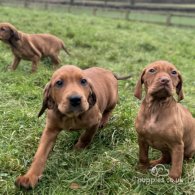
160	79
8	33
69	91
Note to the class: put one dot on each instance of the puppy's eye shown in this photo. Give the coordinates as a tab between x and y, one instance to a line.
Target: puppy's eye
152	70
173	72
59	83
83	82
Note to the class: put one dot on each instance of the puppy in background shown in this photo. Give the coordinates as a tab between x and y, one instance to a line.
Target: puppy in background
162	123
31	47
75	99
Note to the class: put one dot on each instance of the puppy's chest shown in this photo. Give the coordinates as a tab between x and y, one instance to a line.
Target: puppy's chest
152	127
73	124
23	53
156	131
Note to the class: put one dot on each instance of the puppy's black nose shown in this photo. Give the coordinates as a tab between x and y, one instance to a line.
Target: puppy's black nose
164	80
75	100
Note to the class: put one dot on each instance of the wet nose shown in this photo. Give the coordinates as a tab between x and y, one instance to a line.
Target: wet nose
164	80
75	100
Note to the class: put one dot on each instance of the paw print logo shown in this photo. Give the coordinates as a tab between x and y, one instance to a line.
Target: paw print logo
159	171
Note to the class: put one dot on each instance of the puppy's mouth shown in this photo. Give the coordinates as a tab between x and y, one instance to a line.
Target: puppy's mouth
74	110
71	111
162	91
73	114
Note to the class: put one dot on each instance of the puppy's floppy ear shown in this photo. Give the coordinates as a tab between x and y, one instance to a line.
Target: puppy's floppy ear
14	34
14	37
48	102
91	97
138	87
179	89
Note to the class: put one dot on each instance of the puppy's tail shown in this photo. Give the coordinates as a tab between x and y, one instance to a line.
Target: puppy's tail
123	77
65	49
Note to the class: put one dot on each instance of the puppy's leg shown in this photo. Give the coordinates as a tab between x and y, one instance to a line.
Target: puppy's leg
164	159
15	63
143	154
189	152
30	179
55	60
105	119
86	137
177	161
35	62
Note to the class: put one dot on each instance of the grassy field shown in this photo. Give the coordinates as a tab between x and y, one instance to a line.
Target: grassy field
109	165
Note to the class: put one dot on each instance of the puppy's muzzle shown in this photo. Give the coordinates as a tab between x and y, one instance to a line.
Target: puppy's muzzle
162	87
75	100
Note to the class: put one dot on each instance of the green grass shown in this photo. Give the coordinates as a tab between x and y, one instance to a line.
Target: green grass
109	165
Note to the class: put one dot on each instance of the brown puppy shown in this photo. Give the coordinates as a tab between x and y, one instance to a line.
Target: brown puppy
162	123
76	99
30	46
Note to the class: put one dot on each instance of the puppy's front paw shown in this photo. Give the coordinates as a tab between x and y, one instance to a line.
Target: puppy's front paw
175	176
143	167
27	181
